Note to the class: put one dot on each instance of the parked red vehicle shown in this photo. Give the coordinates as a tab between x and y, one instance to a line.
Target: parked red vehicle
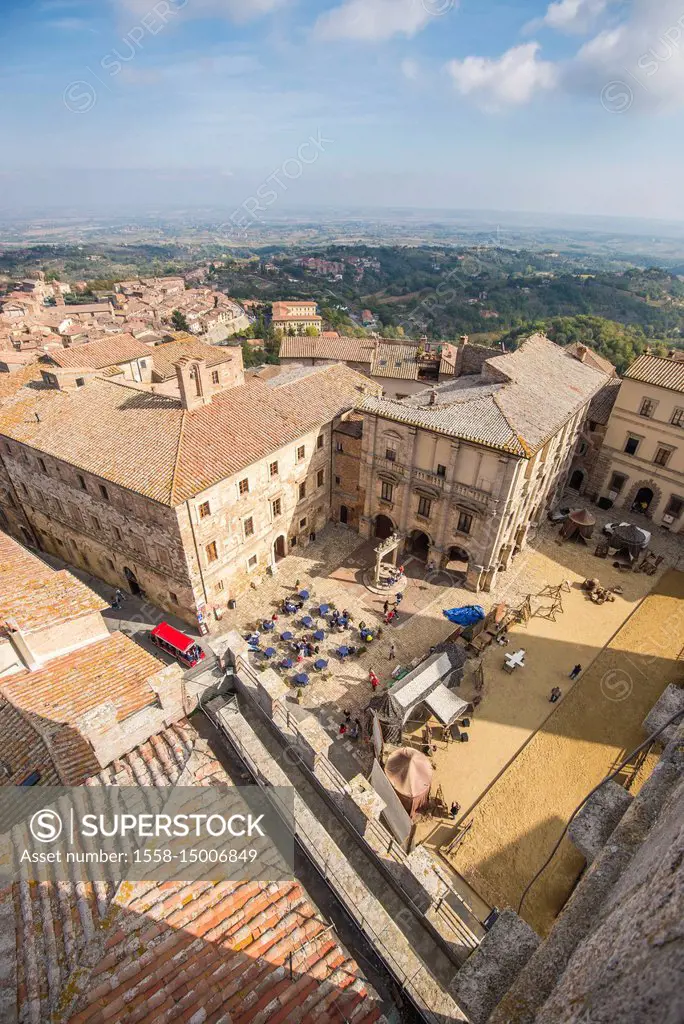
184	648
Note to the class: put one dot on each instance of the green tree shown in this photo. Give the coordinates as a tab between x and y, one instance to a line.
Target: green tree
179	321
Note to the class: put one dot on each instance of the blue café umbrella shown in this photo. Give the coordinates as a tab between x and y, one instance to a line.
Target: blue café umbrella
270	652
319	635
343	651
268	625
286	635
307	621
304	595
323	609
320	664
286	663
302	678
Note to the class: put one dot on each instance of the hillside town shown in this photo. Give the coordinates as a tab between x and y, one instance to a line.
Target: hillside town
319	575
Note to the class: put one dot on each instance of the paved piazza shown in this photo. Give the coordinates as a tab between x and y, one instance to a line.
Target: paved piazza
513	708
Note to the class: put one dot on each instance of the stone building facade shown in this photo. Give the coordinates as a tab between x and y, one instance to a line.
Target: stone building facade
641	467
465	470
186	500
348	495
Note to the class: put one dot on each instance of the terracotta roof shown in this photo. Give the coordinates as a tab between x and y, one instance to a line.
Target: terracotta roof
116	348
33	595
281	310
147	953
25	749
602	403
114	671
11	383
86	307
591	358
398	361
149	444
353	350
165	356
516	404
383	359
663	372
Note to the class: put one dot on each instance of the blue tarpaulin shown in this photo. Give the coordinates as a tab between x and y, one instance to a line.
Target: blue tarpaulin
466	616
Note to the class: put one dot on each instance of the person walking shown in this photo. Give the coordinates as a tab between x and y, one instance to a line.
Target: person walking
373	680
575	672
385	607
392	652
347	717
454	809
555	694
399	597
118	599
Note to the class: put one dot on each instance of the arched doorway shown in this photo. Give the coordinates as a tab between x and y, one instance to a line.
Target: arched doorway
344	514
457	563
279	548
418	545
642	500
576	480
384	527
133	584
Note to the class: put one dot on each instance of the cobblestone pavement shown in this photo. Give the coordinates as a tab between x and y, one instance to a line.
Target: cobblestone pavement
331	568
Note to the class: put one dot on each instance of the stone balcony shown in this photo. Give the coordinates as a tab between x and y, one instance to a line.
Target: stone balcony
480	497
435	479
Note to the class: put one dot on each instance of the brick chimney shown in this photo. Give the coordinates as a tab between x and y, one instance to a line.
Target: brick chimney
194	382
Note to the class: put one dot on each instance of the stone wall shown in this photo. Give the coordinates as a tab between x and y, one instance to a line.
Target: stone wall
616	951
102	528
347	490
244	525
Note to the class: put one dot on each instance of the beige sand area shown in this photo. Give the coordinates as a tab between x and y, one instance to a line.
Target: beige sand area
520	817
515	706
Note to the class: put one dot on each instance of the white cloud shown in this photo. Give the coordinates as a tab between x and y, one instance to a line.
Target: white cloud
509	80
573	15
636	63
410	69
235	10
639	64
370	20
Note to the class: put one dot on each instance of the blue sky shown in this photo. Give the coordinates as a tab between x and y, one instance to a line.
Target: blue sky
574	106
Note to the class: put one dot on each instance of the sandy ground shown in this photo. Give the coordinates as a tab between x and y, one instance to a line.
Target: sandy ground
515	706
521	816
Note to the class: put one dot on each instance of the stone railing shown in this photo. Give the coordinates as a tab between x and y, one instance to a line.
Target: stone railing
432	478
473	493
359	805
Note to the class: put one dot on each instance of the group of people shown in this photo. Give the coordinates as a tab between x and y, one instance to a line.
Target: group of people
304	648
390	612
556	692
339	620
347	727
